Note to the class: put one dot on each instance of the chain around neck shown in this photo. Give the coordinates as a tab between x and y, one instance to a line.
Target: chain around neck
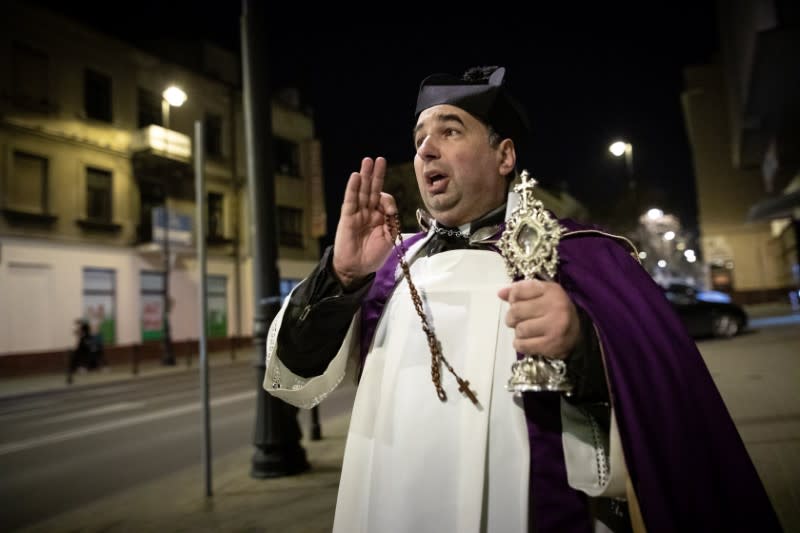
448	232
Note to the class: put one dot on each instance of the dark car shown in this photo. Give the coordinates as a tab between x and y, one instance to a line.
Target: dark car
706	313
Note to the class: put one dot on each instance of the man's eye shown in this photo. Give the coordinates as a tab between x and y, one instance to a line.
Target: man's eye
450	131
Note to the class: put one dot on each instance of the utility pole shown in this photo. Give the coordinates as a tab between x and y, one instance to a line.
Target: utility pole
276	436
171	96
168	355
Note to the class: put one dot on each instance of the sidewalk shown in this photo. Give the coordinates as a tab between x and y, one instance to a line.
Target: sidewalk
31	384
768	310
771	314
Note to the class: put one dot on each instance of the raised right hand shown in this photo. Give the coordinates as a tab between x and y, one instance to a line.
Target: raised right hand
363	240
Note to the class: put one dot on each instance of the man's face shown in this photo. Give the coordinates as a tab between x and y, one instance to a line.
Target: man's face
458	171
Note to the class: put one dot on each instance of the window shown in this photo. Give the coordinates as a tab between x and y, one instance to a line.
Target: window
287	157
217	287
29	78
98	195
290	227
149	108
97	95
99	291
213	135
152	298
27	186
215	215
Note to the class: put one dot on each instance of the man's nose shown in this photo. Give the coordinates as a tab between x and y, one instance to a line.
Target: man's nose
428	149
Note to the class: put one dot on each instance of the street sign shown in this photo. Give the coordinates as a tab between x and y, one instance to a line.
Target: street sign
179	230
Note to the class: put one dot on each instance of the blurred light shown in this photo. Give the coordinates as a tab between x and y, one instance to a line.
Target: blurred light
690	259
713	296
642	255
662	263
668	236
654	213
174	96
618	148
681	245
688	253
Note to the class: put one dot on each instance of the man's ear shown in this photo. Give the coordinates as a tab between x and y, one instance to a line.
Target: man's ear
507	156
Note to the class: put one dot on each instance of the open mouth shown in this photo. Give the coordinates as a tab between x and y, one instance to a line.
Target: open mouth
436	182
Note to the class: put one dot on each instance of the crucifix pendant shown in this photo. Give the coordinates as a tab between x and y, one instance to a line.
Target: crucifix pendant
463	388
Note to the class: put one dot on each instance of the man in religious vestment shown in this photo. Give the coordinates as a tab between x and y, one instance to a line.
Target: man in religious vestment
626	433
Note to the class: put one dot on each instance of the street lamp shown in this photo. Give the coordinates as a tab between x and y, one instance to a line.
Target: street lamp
620	148
617	148
172	96
624	148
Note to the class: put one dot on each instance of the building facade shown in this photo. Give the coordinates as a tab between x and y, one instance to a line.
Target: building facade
742	119
97	199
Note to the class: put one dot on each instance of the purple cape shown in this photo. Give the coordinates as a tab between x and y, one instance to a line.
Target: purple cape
686	460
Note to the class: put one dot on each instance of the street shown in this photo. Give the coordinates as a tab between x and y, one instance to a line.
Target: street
63	450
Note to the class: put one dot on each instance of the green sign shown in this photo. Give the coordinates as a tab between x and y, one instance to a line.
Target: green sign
217	313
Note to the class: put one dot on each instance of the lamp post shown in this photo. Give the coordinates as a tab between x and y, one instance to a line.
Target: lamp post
276	436
624	148
620	148
172	96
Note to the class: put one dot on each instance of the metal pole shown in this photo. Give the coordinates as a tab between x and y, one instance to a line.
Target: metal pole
629	166
168	357
165	112
632	185
276	436
236	209
200	200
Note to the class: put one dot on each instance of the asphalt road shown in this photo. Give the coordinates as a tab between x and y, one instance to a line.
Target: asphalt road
61	450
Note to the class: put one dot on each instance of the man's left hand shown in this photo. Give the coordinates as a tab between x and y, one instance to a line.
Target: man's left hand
543	317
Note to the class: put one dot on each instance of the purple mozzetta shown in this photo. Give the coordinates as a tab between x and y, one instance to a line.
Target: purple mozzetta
687	463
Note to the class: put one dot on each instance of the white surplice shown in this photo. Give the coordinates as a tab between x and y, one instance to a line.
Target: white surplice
413	463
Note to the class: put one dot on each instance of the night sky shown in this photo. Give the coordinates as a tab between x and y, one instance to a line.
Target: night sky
587	76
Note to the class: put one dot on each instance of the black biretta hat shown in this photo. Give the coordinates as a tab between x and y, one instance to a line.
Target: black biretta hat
482	93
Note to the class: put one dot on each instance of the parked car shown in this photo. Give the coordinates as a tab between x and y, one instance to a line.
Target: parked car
707	313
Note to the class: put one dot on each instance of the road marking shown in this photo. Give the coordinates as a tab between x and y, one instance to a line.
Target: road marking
35	442
24	410
112	408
